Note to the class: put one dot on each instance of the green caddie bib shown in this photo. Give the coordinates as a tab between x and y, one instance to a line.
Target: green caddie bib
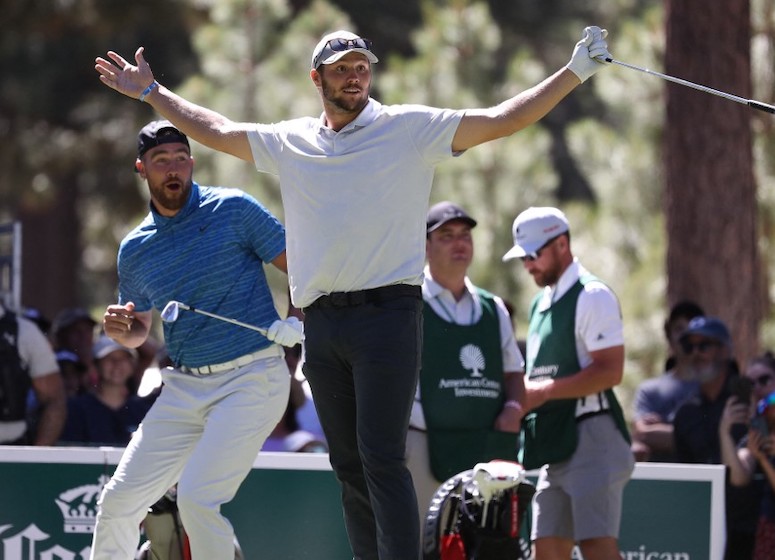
549	433
461	391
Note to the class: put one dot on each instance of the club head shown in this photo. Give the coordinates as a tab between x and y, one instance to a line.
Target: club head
170	312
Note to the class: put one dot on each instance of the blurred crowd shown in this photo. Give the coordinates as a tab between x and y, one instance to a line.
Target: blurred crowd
87	390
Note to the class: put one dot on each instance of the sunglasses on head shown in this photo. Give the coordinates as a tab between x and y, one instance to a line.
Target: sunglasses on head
535	255
703	346
341	45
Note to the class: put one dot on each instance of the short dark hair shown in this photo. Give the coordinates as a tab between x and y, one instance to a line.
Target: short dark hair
683	309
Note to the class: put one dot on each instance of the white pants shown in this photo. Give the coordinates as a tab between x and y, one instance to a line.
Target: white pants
204	433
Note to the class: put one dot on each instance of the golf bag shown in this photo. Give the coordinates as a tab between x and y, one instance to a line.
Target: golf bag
167	539
480	514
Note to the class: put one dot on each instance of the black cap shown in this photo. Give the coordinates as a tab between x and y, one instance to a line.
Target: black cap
69	316
443	212
156	133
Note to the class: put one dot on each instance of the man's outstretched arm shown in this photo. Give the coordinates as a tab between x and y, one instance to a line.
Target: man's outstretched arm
482	125
199	123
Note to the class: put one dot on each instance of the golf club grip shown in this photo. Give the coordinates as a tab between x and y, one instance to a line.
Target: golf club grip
761	106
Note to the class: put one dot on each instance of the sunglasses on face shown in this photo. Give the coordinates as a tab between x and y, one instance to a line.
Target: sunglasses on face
762	380
535	255
689	347
340	45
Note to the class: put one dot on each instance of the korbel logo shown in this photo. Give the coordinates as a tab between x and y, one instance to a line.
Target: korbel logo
79	506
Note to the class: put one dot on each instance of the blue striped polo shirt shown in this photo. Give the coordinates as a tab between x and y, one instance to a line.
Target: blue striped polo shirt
209	255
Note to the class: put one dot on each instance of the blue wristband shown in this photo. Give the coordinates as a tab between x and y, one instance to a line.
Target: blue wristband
148	90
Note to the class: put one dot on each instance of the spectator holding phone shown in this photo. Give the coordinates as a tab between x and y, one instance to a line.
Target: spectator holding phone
707	344
753	459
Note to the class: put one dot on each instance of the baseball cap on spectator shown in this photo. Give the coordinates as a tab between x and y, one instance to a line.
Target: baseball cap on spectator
709	327
443	212
68	317
335	45
534	228
67	357
156	133
106	345
37	317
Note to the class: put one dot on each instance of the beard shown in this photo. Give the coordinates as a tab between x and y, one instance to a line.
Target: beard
344	103
550	276
171	200
704	372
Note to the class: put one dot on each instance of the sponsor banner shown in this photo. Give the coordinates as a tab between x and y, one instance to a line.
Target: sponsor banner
289	507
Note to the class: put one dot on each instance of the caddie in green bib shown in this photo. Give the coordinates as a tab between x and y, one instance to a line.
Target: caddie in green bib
549	431
462	393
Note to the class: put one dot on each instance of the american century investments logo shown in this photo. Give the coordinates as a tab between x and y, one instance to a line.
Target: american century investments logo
475	385
471	357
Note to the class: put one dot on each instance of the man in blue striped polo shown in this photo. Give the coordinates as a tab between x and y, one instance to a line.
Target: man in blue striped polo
229	385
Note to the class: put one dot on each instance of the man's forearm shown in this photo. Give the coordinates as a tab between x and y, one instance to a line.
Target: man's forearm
50	423
200	123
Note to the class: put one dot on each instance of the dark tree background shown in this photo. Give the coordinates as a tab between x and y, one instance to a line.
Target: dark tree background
710	194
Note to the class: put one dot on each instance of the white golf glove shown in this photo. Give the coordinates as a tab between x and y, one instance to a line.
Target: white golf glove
289	332
590	53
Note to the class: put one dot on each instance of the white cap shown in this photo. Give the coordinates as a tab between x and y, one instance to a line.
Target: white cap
106	345
533	228
324	54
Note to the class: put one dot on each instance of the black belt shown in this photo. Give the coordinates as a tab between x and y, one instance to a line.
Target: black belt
375	295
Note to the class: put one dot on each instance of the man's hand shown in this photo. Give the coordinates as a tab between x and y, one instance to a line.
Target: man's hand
760	446
509	420
735	412
536	393
118	319
125	325
289	332
590	53
117	73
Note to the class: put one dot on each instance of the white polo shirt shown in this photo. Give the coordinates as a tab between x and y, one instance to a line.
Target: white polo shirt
355	201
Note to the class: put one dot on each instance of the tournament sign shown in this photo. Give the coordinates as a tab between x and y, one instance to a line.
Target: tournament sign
289	507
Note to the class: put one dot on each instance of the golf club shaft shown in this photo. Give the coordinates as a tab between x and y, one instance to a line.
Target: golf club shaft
737	99
227	319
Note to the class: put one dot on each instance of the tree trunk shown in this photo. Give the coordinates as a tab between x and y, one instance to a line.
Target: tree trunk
710	192
51	254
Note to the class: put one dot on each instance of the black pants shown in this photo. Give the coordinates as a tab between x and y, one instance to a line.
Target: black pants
362	362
